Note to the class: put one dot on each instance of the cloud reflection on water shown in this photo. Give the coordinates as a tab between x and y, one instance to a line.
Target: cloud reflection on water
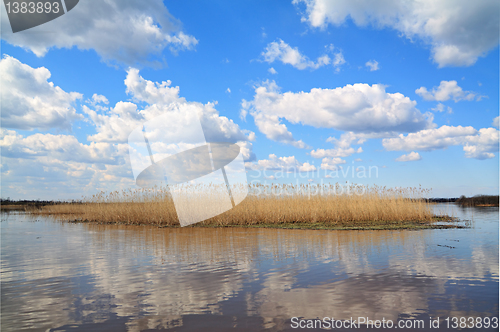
57	274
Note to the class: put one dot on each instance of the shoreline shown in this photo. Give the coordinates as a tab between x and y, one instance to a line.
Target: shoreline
367	225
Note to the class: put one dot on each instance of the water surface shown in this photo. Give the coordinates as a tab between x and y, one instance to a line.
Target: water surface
58	276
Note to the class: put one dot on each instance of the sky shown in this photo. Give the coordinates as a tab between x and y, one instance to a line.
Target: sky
386	93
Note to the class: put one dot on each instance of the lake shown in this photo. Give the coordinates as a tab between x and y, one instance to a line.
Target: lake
59	276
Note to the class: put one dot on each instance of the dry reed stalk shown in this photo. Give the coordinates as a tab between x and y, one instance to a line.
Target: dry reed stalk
273	204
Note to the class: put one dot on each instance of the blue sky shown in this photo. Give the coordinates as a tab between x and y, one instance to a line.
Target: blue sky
308	89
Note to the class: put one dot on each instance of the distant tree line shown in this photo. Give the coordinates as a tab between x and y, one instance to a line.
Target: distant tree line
34	202
478	200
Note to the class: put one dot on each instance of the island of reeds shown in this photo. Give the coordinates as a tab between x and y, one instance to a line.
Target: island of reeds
311	206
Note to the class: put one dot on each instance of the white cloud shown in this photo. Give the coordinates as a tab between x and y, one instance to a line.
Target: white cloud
30	101
337	152
180	41
483	145
126	31
59	167
306	167
246	151
338	61
288	164
272	71
496	121
116	125
330	164
270	126
359	108
228	90
458	31
338	57
373	65
279	50
60	161
60	148
99	99
347	138
441	108
413	156
480	144
243	111
151	92
429	139
250	134
343	146
445	91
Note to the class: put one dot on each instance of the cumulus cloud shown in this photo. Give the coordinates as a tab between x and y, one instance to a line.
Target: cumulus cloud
306	167
458	31
480	144
98	99
330	164
250	134
271	126
414	156
30	101
246	151
281	51
161	98
115	125
58	167
272	71
429	139
288	164
338	152
445	91
338	60
441	108
59	147
338	57
483	145
150	92
372	65
496	121
127	31
360	108
343	144
102	163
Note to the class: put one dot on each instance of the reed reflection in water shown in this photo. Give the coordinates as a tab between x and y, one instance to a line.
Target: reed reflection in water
63	276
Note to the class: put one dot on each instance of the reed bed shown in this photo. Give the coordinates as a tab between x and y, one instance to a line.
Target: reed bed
265	204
